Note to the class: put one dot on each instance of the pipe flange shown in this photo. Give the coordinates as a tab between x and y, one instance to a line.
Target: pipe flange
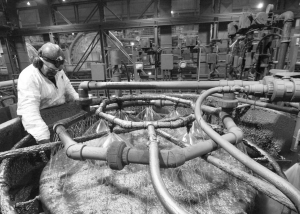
270	89
125	155
114	155
296	94
227	103
279	90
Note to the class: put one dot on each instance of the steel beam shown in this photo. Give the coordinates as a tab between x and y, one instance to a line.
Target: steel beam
114	25
155	11
128	9
146	8
62	16
92	13
81	2
112	12
76	12
101	10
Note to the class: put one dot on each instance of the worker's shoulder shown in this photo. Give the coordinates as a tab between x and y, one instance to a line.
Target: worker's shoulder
29	72
62	75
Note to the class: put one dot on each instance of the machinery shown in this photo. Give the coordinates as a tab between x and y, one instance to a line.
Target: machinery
187	142
258	44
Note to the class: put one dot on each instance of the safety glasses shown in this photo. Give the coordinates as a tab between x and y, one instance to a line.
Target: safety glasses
57	62
52	69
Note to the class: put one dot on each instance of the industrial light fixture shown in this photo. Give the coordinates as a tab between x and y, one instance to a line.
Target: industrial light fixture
149	73
260	5
73	34
139	65
182	64
172	12
28	3
132	43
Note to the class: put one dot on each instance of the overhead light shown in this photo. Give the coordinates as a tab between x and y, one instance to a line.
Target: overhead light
63	0
260	5
28	3
149	73
73	34
182	64
172	12
139	65
132	43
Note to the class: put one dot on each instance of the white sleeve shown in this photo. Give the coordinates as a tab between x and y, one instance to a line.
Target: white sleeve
70	91
29	97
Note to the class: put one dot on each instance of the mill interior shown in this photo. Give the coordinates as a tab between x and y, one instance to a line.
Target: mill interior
180	106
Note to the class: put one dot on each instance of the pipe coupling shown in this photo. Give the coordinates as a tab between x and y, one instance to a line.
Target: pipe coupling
114	155
172	158
238	133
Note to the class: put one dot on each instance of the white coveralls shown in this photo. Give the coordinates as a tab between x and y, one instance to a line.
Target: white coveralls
35	92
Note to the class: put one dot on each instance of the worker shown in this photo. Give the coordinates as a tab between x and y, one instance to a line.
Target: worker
41	85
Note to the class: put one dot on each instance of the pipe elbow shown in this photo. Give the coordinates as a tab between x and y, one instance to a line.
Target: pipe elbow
83	89
74	151
172	158
238	133
288	16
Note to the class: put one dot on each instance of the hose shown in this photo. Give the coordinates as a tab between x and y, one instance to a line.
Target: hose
287	188
161	191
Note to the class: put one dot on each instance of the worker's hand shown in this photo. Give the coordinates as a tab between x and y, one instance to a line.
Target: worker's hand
43	141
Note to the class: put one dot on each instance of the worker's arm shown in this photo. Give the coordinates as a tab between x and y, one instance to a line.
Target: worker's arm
70	91
29	97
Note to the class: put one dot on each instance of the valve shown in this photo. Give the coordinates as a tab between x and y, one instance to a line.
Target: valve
114	155
287	88
228	101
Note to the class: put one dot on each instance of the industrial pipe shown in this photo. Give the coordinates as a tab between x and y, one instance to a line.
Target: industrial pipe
144	124
169	158
259	184
161	191
177	157
295	105
92	85
158	103
251	102
173	158
8	83
79	151
269	105
288	17
263	104
287	188
170	138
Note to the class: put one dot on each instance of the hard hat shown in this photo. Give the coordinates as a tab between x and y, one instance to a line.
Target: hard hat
52	54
